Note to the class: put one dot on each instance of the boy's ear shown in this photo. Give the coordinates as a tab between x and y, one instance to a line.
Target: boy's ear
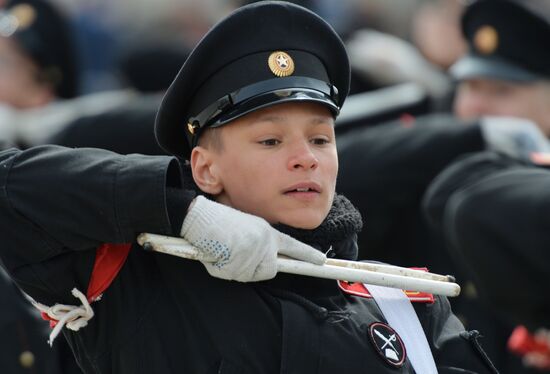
205	171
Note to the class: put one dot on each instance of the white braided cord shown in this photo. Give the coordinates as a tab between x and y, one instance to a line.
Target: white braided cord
72	316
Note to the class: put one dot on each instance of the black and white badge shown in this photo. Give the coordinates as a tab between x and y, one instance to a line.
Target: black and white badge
388	344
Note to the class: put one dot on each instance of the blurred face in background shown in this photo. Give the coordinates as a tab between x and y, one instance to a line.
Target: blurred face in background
487	97
20	83
436	31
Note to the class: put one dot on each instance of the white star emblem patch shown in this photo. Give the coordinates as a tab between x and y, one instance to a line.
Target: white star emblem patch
282	61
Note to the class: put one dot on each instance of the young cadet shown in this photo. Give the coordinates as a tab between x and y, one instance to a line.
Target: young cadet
38	58
506	71
252	111
38	65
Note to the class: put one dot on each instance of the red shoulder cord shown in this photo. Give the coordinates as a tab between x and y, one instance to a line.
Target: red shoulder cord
109	259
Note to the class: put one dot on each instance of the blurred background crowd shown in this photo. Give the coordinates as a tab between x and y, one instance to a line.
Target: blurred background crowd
435	85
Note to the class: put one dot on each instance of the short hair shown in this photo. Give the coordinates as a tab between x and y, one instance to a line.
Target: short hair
211	138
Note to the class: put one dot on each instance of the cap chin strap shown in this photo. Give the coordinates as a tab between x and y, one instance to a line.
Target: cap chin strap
400	315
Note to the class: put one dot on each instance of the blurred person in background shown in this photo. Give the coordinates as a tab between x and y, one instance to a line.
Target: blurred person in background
407	154
393	47
37	58
401	159
40	75
506	71
116	110
40	87
36	68
435	31
477	205
37	64
147	70
493	213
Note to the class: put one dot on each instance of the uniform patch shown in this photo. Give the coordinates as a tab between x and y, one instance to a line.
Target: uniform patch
388	344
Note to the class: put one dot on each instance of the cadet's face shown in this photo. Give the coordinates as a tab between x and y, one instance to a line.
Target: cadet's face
280	163
479	97
19	86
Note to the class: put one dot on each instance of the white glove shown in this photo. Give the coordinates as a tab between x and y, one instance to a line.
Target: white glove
245	245
515	137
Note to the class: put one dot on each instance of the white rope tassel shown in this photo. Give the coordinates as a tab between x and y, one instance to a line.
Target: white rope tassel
74	317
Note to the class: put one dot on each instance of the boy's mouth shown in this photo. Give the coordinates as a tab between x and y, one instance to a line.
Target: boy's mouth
309	187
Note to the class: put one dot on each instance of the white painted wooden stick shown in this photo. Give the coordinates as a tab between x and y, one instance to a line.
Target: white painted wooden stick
351	271
173	246
390	269
403	282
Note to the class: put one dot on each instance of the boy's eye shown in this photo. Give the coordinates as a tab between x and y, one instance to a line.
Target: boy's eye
270	142
320	141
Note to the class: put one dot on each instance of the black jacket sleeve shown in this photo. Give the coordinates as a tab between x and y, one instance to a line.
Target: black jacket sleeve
493	212
57	201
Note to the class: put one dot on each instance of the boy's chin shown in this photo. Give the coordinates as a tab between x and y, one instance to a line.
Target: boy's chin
304	222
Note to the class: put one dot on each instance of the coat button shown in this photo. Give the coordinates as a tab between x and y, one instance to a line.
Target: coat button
26	359
470	291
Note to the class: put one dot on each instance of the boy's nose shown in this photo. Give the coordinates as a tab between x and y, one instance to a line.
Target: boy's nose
303	158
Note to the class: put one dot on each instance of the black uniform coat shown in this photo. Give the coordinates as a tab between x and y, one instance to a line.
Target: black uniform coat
494	212
167	315
385	170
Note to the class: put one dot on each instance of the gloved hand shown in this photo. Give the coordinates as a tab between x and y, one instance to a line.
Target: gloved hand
245	245
515	137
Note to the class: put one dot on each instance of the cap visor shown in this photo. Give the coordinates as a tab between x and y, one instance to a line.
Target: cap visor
471	67
274	98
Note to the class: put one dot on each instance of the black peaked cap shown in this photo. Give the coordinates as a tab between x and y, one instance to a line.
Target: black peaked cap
507	40
47	40
232	58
